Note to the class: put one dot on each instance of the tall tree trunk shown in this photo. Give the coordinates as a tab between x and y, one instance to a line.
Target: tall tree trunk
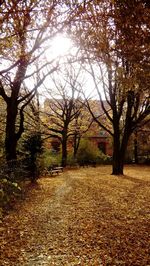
117	166
11	138
64	151
119	151
136	148
118	163
76	144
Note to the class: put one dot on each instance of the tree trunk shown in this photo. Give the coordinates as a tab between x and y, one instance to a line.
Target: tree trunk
119	151
11	138
136	148
118	163
118	160
64	151
118	154
76	145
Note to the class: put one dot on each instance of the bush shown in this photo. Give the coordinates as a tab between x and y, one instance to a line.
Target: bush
10	177
32	146
144	159
89	154
50	158
71	161
8	192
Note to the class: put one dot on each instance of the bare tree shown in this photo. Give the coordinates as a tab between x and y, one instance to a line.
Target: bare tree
64	108
82	123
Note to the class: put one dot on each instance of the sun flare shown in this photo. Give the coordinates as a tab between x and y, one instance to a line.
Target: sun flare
60	45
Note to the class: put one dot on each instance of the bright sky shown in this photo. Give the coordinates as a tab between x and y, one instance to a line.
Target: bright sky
62	46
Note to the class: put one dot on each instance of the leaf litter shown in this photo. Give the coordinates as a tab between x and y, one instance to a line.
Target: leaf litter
81	217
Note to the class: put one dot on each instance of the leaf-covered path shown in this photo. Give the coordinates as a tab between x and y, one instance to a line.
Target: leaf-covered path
82	217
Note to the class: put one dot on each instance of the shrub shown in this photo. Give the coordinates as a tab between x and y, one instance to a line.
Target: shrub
50	158
33	146
8	192
89	154
10	177
71	161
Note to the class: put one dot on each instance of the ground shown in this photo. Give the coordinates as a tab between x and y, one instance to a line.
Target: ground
81	217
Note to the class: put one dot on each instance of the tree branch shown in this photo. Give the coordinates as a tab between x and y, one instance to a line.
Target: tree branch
3	94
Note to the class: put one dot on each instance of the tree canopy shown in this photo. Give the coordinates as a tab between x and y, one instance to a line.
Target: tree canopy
26	31
113	37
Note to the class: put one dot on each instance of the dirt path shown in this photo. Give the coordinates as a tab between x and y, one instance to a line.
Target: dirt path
82	217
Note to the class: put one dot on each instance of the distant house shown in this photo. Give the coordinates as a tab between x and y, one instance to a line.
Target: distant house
103	141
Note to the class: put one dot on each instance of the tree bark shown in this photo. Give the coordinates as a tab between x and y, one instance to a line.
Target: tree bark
117	165
118	162
64	151
136	148
76	144
11	138
119	151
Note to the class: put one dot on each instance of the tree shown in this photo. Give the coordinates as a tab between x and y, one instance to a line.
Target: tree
119	73
82	123
131	19
26	29
2	125
139	144
32	121
64	107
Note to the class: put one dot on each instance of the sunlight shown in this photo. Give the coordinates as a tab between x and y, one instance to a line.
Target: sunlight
60	45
